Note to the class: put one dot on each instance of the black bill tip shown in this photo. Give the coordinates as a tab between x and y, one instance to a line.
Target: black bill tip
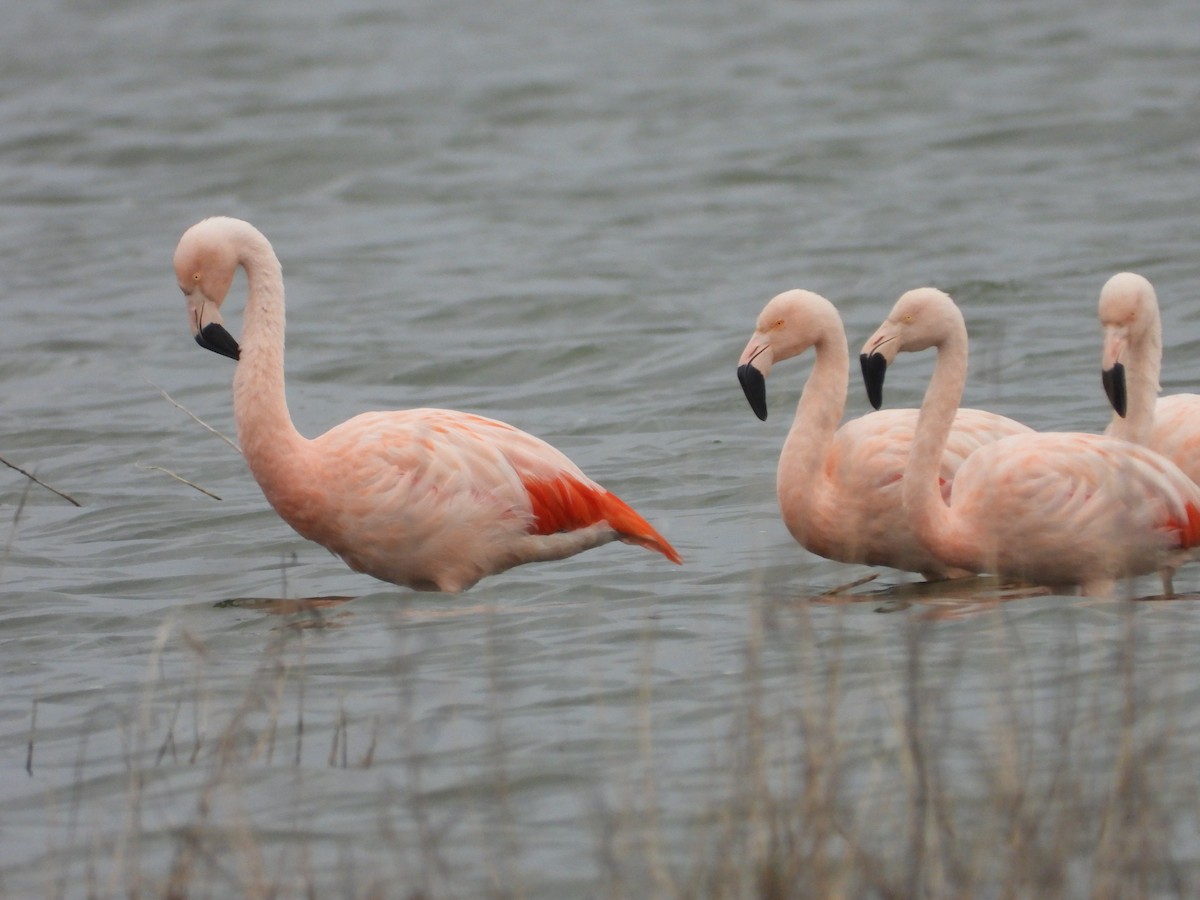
1114	386
874	367
214	337
754	386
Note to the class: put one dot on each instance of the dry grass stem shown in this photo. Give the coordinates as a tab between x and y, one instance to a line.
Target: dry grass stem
177	477
32	738
228	440
837	772
41	483
849	585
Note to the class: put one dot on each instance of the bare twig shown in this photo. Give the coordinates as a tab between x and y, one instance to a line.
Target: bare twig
199	420
369	757
12	530
37	480
177	477
849	585
32	734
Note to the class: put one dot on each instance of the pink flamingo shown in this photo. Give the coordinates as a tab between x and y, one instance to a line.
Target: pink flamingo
1132	359
839	488
428	498
1057	509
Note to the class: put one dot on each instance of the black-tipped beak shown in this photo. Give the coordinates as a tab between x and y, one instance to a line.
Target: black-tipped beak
754	386
874	367
214	337
1114	386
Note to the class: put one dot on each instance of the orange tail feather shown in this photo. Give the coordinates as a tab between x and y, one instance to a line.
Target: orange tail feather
1189	531
566	504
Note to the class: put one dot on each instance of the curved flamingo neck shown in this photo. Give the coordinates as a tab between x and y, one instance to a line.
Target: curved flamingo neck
1141	387
269	439
801	482
928	512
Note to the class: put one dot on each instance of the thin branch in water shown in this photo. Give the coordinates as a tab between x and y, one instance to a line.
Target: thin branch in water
300	707
341	741
168	743
199	420
12	529
37	480
849	585
142	465
369	757
32	737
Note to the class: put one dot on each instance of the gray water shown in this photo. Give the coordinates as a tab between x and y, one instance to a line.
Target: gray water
566	217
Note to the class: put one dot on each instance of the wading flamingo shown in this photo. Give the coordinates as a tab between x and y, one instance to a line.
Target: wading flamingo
428	498
1132	359
1057	509
839	488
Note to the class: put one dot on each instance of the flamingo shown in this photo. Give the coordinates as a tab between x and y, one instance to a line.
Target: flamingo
1058	509
839	488
1132	358
428	498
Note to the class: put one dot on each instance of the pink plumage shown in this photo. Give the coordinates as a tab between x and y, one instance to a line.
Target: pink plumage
429	498
839	488
1060	509
1131	363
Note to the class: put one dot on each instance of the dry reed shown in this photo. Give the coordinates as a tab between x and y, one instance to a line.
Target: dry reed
1082	800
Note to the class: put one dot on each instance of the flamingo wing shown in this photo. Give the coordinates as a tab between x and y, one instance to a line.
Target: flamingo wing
1176	432
445	455
876	446
1120	500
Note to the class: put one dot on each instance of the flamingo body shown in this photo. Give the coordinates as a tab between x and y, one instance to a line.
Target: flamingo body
1176	432
1059	509
1131	365
840	488
1066	509
429	498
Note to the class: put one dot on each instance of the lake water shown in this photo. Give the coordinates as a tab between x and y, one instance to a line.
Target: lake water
566	217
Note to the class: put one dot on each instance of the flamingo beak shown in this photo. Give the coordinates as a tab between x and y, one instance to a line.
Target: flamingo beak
877	354
754	386
874	368
1112	370
753	369
205	317
1114	387
214	337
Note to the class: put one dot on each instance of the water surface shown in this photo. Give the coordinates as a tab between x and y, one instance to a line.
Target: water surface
567	219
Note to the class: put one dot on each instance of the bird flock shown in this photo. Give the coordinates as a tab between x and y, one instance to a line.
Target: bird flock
436	499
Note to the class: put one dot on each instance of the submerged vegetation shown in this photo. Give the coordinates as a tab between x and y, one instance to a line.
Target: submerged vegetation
947	767
1057	789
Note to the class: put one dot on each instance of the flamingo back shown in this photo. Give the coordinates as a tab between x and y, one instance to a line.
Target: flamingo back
1129	510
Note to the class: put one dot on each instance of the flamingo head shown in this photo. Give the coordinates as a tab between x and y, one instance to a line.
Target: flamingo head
1130	323
918	321
789	324
205	262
